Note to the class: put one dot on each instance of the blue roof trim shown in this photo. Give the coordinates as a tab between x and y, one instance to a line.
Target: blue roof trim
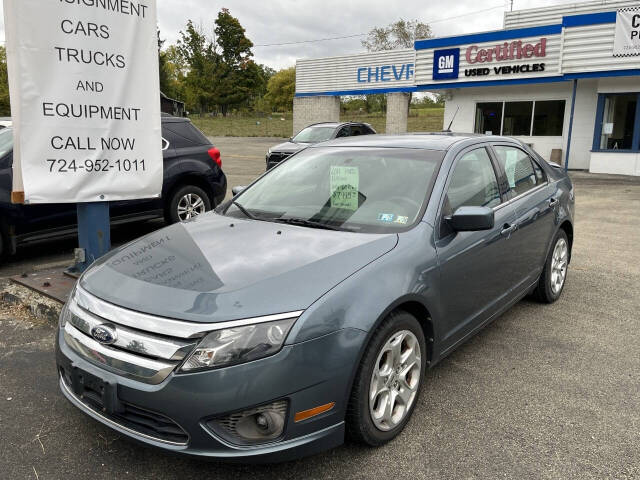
491	83
371	91
588	19
608	73
488	36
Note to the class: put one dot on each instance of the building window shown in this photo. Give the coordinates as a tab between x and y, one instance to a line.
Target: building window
489	118
517	118
548	118
538	118
619	122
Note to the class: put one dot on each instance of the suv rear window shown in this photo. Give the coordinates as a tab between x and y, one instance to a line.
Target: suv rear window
183	134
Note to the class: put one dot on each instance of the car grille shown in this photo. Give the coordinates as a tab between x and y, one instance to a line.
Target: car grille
131	417
137	353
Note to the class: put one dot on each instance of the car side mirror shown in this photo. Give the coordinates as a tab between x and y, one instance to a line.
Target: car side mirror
236	190
291	139
471	219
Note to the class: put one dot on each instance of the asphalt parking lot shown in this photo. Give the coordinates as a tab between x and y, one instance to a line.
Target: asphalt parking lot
546	391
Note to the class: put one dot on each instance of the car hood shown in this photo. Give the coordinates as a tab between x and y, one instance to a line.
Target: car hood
218	268
289	147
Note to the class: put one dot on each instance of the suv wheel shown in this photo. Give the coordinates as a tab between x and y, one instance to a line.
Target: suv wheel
554	273
387	386
186	203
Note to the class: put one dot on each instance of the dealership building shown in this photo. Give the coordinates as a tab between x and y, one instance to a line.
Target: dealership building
565	79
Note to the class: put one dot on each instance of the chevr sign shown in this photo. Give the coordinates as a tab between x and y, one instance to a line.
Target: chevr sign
85	100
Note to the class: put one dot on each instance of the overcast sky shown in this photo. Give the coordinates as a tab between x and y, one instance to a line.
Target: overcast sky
282	21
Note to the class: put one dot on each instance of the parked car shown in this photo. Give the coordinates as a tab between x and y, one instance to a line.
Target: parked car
313	302
318	132
193	183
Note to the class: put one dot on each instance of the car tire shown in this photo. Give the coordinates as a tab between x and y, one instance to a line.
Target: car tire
367	420
185	203
554	275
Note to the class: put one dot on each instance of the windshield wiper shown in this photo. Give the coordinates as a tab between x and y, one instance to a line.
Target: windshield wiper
246	212
301	222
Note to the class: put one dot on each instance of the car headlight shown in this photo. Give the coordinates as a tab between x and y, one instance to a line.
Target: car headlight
65	314
230	346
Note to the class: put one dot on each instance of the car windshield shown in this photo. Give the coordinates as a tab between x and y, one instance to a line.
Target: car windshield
371	190
6	141
314	134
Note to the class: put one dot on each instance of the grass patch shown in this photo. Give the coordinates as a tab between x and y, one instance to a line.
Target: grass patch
420	120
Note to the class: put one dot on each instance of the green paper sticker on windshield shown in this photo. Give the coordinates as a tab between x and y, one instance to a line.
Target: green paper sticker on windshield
344	187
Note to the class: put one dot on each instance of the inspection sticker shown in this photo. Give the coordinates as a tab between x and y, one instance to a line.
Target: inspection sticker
344	187
385	217
402	220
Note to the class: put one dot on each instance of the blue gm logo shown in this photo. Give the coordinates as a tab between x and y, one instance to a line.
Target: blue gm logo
446	63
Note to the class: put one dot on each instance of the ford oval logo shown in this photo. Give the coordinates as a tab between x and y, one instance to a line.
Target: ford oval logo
105	334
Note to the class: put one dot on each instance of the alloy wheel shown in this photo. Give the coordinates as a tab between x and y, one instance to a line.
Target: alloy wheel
395	380
559	262
189	206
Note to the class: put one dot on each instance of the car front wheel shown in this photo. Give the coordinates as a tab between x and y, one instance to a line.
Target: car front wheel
186	203
554	274
388	382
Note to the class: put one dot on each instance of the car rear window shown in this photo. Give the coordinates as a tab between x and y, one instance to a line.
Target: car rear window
183	134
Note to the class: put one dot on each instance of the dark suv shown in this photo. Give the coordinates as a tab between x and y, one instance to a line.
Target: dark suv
193	183
318	132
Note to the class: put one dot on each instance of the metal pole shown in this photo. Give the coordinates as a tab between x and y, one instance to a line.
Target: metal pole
94	235
573	108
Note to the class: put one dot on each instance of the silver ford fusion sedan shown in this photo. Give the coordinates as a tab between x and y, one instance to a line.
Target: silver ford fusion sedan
310	305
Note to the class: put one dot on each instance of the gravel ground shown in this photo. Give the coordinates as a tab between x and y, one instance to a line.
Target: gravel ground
546	391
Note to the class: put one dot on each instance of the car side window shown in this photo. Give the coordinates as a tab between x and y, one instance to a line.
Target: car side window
367	130
519	169
343	132
356	130
473	182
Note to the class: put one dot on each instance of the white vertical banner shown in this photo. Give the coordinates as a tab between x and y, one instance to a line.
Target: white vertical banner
626	42
85	99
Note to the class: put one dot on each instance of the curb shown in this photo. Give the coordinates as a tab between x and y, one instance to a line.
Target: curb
40	306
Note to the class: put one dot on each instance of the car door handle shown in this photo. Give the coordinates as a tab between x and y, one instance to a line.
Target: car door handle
508	229
553	202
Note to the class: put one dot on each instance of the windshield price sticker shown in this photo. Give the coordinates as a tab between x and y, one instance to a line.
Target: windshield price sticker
85	98
344	187
510	167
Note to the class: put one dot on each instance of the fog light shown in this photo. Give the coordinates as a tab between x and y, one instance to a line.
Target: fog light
257	425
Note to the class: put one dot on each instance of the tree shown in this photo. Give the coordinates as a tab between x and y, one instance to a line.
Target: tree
400	34
237	75
280	90
162	63
5	106
396	35
200	58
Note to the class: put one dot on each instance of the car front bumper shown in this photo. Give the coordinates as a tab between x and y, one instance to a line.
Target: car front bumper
306	375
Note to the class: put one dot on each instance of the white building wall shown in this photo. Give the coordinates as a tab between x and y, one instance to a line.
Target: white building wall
584	119
551	15
331	74
467	98
590	49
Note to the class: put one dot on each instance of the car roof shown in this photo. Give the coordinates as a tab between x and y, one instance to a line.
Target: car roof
335	124
427	141
166	118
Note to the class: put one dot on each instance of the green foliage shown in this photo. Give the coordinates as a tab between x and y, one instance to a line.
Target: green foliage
5	107
281	89
400	34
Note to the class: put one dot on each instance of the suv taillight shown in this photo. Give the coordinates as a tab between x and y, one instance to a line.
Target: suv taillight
214	153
